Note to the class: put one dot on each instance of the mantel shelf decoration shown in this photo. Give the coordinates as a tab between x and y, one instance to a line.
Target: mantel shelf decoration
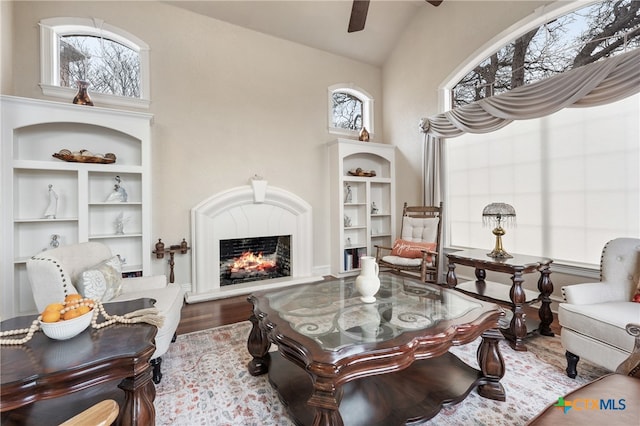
84	156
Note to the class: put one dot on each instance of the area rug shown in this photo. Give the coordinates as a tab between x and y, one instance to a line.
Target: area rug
206	383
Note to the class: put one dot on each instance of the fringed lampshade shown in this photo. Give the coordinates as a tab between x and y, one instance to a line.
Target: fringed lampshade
498	213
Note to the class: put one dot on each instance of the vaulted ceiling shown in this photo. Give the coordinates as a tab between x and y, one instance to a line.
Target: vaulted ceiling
321	24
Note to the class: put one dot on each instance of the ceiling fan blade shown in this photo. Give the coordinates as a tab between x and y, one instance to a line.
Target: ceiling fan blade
358	15
435	2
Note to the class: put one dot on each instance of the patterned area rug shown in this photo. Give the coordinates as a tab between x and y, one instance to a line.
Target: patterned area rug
206	383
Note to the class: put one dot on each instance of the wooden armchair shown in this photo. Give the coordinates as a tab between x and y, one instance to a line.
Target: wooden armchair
418	248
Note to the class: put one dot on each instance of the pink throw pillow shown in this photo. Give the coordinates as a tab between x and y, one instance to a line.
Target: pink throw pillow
410	249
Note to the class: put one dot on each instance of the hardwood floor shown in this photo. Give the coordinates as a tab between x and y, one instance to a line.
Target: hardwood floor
214	313
200	316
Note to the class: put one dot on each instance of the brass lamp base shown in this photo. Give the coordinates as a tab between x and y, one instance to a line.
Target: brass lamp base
498	252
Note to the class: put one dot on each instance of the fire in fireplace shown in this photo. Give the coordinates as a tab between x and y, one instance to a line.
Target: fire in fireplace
252	259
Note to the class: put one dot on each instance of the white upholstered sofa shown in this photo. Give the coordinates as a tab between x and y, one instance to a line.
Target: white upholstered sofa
55	273
594	315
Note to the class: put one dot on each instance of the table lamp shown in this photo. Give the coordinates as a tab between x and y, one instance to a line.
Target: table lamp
497	213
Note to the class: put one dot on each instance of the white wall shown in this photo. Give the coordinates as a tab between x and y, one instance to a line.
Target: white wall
228	103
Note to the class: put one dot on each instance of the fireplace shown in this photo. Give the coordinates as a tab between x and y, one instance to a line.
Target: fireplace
252	214
252	259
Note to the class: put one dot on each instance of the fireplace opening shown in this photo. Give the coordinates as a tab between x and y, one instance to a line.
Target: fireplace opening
253	259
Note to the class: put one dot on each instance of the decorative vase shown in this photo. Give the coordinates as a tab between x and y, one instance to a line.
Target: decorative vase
368	283
364	135
82	97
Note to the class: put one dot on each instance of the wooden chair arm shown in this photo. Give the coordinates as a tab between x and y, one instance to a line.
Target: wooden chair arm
631	365
380	248
102	414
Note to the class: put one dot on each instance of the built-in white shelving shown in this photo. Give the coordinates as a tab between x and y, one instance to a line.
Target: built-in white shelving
32	131
363	207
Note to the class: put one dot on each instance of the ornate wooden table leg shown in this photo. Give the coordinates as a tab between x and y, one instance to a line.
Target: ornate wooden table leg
452	280
492	365
545	287
258	346
518	327
139	394
326	400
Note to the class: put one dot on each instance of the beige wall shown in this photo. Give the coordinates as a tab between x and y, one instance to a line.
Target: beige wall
228	103
6	47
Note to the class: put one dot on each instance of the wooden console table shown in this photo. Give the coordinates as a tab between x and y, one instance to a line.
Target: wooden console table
514	295
46	381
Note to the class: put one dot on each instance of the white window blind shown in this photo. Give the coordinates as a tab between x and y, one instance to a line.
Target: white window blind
573	178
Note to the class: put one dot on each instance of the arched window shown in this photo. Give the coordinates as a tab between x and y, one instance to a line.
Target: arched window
570	175
560	43
114	62
350	109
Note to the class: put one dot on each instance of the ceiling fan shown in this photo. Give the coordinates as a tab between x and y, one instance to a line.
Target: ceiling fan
359	14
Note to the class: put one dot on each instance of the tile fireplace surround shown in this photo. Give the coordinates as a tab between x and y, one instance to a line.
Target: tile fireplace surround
255	210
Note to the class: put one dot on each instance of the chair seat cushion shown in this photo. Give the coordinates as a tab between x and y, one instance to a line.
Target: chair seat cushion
605	322
402	261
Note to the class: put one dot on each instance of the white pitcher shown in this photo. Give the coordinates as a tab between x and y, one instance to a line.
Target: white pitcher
368	283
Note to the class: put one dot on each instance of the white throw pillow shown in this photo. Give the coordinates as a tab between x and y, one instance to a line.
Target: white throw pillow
103	281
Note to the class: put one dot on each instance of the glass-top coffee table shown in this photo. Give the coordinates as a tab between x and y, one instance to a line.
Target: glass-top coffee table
343	361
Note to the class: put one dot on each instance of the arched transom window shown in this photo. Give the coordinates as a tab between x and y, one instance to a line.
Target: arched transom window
114	62
350	109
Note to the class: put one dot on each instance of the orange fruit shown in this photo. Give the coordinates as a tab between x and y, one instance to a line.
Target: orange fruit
72	298
50	316
54	307
83	309
71	314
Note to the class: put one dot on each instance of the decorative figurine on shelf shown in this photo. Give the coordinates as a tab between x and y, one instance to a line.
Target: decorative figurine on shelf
347	221
348	195
348	242
52	208
119	194
364	135
374	208
119	223
55	241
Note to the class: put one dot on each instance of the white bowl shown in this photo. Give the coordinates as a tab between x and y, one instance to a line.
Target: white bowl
63	330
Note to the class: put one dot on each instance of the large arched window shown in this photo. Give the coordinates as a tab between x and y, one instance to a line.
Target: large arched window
566	41
350	109
571	176
113	61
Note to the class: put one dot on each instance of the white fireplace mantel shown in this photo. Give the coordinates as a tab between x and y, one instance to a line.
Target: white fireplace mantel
246	212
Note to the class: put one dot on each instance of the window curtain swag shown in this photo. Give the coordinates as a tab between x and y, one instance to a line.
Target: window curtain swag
599	83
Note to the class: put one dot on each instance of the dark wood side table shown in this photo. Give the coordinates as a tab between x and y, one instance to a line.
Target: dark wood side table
39	373
343	361
513	295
